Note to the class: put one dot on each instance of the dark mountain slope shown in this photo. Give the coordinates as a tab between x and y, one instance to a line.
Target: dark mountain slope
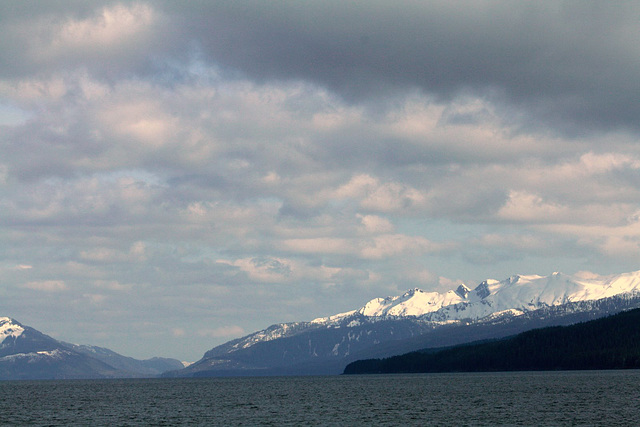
55	364
26	353
148	367
608	343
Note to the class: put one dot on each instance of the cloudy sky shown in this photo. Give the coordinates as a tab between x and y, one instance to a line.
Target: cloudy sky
177	174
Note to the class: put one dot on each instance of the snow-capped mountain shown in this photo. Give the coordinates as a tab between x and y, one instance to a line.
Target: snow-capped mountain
517	294
26	353
9	330
419	319
17	339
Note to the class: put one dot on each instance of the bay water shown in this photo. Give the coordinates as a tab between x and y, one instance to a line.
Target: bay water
514	398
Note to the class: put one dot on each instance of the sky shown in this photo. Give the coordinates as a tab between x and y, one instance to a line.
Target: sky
174	175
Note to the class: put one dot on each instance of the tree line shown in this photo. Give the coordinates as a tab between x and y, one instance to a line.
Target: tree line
608	343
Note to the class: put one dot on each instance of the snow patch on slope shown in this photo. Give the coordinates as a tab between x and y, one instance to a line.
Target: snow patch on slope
56	354
273	332
336	318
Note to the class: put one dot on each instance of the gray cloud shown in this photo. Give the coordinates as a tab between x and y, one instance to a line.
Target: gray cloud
571	64
205	168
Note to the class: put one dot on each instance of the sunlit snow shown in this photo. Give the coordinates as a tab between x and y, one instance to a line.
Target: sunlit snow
489	300
9	329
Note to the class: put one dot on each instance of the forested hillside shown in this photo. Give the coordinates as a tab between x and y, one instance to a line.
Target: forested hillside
609	343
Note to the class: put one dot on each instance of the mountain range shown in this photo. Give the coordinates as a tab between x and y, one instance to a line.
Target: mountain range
383	327
417	320
26	353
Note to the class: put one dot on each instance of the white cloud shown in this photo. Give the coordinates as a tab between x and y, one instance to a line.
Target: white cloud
269	270
389	245
592	163
111	285
531	208
110	28
614	242
83	198
320	245
46	285
376	224
137	253
286	271
357	187
32	91
380	197
391	197
95	299
101	254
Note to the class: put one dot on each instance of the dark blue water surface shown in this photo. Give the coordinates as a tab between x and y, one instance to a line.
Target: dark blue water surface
521	398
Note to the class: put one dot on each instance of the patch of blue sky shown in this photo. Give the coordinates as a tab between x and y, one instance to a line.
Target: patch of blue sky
11	115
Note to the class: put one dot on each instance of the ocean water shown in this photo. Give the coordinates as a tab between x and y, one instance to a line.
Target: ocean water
520	398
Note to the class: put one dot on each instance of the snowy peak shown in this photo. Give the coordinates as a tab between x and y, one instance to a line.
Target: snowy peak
622	283
529	292
518	293
418	319
9	328
414	302
26	353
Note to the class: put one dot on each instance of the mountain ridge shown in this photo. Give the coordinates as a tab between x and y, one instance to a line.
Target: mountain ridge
382	327
26	353
527	300
518	292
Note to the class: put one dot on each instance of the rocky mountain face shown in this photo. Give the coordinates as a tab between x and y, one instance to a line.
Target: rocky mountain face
417	320
26	353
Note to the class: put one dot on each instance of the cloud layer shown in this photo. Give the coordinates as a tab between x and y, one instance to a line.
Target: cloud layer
178	174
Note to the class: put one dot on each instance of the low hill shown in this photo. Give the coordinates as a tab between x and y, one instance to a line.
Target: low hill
608	343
